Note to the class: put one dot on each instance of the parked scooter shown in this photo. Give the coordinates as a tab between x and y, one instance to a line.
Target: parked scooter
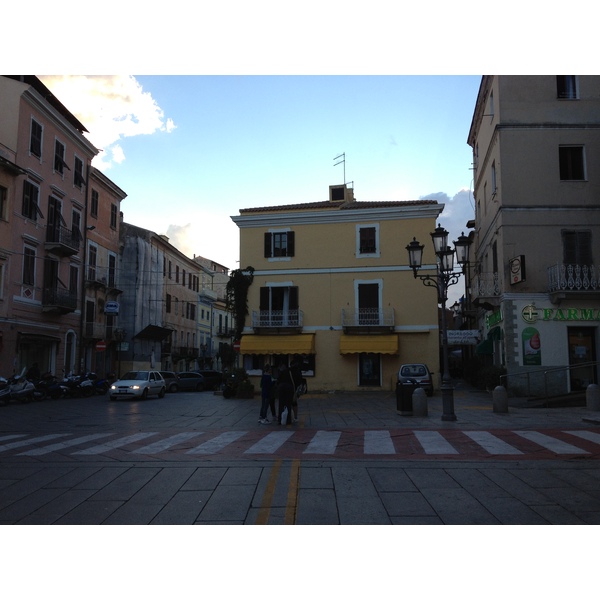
19	389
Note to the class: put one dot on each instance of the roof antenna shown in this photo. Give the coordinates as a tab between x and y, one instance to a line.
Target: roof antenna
343	157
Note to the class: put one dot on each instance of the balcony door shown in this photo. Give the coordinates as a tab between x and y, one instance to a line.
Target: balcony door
368	304
279	306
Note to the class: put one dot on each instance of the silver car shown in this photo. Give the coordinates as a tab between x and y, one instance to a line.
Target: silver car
138	384
416	373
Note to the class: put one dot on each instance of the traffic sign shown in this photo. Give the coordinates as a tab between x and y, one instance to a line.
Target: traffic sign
236	345
100	346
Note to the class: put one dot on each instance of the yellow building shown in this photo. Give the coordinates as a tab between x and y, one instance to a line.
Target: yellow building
332	286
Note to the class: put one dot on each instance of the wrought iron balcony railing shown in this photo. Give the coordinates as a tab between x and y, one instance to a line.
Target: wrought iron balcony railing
59	300
63	240
573	278
277	318
368	317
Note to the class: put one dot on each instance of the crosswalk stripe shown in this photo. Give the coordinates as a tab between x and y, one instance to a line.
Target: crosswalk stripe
586	435
550	443
30	441
218	443
116	443
11	437
491	443
378	442
271	443
167	443
63	445
433	442
323	442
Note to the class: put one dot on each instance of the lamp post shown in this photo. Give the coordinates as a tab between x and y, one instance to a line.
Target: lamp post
445	277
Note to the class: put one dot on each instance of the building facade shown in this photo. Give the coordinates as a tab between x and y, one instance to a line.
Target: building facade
44	169
331	288
535	279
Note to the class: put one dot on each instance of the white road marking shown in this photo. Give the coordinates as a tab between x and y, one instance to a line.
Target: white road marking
167	443
116	443
63	445
271	443
550	443
587	435
434	443
218	443
378	442
12	436
323	442
30	441
491	443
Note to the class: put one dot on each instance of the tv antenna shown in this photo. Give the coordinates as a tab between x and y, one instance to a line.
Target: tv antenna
343	161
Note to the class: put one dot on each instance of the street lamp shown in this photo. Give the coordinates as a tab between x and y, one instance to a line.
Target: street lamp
445	277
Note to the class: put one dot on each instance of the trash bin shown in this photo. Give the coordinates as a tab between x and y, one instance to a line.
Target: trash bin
404	393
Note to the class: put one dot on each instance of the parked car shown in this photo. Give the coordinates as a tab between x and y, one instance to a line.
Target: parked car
190	381
138	384
213	379
171	380
419	373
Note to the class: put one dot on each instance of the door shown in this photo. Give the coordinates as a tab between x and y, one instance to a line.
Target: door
368	304
369	370
582	351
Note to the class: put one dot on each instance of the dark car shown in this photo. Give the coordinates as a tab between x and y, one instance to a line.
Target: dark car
416	373
191	382
171	380
212	378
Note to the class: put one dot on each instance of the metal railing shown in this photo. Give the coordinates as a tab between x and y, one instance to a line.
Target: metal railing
485	285
573	278
540	382
277	318
368	317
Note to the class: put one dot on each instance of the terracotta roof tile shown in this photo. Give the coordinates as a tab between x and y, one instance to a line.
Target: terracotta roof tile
339	204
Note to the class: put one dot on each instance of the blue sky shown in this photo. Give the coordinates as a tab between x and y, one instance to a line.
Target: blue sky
190	151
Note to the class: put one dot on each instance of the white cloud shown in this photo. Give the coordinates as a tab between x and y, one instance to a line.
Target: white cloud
111	108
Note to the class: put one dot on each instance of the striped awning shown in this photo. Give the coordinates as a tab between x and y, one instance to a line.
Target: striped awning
303	343
375	344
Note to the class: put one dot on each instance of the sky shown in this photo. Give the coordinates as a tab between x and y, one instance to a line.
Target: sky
191	150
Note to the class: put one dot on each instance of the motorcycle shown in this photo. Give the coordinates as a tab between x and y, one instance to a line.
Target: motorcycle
19	388
53	387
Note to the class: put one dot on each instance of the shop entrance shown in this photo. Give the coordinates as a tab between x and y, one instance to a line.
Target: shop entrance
369	370
582	350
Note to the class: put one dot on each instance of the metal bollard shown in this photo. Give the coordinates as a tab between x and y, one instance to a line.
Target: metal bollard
592	397
419	403
500	397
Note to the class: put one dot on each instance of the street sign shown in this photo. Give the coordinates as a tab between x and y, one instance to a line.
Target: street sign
236	345
100	346
111	308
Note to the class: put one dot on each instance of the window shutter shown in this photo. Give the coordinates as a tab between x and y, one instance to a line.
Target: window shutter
264	298
291	246
267	245
294	298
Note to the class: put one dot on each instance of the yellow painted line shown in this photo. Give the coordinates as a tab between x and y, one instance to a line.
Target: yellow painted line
292	499
267	500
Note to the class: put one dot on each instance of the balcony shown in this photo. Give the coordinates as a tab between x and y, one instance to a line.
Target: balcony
94	331
573	281
277	321
485	290
58	300
368	320
180	352
62	241
225	332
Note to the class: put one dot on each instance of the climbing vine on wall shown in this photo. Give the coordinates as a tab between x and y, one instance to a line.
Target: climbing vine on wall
236	296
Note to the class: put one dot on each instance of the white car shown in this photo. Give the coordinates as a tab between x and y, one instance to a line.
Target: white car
138	384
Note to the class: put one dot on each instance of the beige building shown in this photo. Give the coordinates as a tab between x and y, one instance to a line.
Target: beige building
332	287
536	275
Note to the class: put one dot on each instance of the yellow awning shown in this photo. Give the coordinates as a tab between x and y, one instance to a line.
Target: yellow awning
376	344
278	344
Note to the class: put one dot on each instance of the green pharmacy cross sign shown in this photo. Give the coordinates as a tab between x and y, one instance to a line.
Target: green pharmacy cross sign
531	314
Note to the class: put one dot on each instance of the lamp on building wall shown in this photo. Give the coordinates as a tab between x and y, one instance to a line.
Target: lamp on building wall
445	277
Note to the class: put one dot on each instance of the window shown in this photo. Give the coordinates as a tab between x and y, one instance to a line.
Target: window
35	142
92	261
3	203
168	304
492	104
572	163
112	270
170	266
59	157
76	224
367	240
73	279
279	306
28	265
78	179
279	244
566	87
113	216
176	273
577	248
183	278
31	208
94	206
494	187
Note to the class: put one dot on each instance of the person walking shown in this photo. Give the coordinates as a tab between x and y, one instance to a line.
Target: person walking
266	387
285	391
296	377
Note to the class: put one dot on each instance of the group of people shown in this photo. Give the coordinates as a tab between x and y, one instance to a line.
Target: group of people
284	389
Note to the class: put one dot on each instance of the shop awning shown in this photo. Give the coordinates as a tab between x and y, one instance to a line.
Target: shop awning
375	344
154	332
303	343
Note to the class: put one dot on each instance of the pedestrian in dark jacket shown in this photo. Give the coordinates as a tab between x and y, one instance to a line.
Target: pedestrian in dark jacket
266	387
286	394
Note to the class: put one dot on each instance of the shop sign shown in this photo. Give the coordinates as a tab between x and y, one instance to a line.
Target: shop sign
532	346
531	314
463	337
111	308
493	319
